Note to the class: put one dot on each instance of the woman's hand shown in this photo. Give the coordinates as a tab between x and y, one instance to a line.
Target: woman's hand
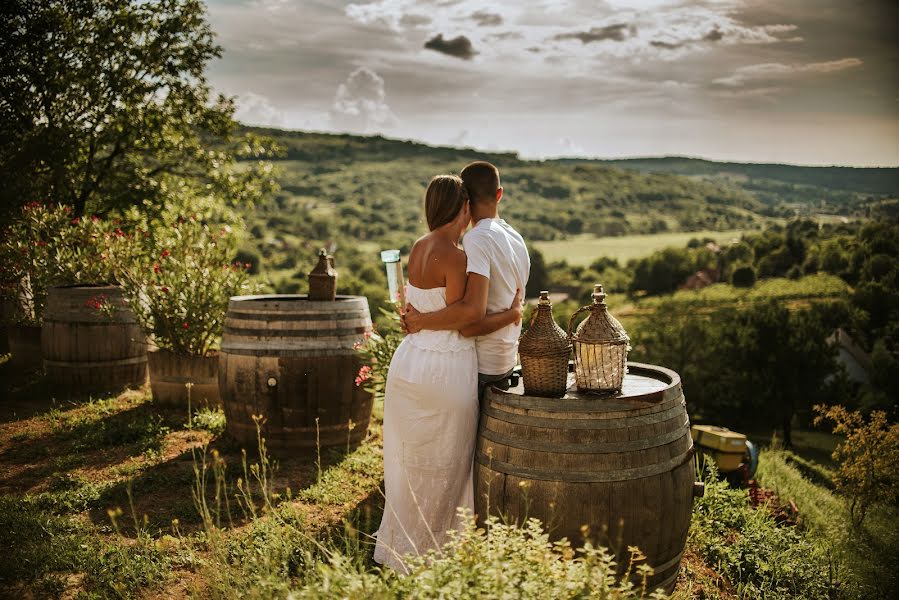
409	319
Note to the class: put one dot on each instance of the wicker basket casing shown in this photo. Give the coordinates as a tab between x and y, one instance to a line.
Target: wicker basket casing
600	348
544	351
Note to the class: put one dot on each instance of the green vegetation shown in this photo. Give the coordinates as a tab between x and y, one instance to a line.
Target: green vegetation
759	557
864	559
584	249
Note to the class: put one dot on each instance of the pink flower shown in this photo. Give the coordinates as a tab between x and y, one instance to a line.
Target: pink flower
364	375
165	253
76	220
164	289
184	325
156	268
247	265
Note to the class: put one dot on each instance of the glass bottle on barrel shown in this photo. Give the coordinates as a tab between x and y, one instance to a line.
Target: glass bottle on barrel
600	348
544	349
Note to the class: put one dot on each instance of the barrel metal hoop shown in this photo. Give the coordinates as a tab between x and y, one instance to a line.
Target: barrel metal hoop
596	448
183	379
583	477
310	351
295	333
96	363
83	321
615	423
300	317
668	563
573	405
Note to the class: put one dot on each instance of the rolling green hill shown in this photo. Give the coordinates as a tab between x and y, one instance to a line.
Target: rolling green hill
370	188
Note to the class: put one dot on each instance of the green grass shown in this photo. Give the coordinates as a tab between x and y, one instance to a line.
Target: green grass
866	558
583	250
818	286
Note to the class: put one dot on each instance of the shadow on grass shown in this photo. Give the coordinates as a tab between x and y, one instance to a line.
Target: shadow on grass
165	491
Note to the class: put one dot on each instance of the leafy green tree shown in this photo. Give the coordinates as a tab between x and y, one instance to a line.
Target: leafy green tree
102	100
539	276
743	277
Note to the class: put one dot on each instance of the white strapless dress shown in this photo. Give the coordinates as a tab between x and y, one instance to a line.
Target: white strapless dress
430	426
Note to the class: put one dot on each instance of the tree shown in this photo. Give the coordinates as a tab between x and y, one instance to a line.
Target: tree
539	275
102	100
867	457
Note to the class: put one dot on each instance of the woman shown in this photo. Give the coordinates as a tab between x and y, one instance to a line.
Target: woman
431	398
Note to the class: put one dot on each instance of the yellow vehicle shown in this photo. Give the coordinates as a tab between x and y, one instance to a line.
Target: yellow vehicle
730	450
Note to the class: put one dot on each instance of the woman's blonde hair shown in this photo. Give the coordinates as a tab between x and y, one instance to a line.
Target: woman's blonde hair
444	198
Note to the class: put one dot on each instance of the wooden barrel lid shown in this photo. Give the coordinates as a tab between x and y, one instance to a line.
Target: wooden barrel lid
644	386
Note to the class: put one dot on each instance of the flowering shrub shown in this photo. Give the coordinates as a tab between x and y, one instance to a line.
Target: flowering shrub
80	250
178	276
45	246
376	350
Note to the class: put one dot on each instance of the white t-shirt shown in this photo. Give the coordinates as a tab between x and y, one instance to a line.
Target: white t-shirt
497	252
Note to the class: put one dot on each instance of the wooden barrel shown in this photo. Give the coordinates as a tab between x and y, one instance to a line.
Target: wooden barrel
293	361
25	347
91	341
620	465
170	373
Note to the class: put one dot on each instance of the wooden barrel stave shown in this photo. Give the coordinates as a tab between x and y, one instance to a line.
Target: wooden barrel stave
308	349
87	351
560	465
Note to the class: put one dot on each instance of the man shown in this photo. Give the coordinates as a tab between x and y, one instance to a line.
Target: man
498	269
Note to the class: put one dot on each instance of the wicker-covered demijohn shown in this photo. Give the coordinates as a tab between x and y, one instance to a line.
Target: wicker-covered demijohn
600	348
323	279
544	351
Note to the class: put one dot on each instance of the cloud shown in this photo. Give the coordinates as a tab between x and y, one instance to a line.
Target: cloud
768	71
714	35
666	45
458	47
616	32
256	109
360	104
487	19
413	20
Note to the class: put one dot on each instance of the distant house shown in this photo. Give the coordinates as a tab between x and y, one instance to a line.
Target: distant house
851	356
700	279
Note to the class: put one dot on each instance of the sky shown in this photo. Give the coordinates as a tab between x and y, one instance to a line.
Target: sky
813	82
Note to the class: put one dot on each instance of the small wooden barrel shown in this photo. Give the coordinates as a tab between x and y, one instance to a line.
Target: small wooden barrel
170	373
292	361
88	348
620	465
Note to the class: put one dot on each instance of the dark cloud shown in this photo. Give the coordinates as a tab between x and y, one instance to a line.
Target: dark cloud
487	19
666	45
616	33
414	20
506	35
713	36
459	47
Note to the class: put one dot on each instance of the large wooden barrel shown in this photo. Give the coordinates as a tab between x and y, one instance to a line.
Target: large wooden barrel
620	465
91	341
294	361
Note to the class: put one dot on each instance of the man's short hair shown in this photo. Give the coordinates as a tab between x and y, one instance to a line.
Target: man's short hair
482	181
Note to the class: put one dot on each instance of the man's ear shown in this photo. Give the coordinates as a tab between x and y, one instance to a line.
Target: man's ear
499	195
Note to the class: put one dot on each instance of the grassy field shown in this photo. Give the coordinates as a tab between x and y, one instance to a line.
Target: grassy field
105	499
583	250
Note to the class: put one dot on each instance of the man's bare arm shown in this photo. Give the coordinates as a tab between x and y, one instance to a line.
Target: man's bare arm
496	321
470	309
